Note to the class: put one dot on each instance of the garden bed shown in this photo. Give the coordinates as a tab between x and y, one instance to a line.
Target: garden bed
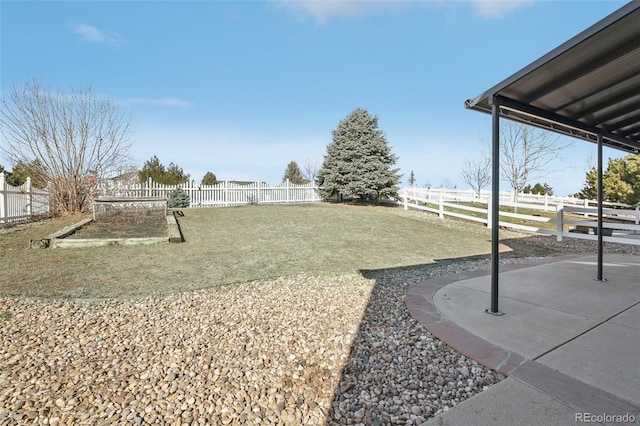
132	228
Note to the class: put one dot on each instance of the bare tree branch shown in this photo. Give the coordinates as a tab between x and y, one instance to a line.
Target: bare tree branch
526	153
72	136
477	173
309	170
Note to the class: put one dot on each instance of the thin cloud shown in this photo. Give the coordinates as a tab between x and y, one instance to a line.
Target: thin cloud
94	35
498	8
162	102
171	102
323	10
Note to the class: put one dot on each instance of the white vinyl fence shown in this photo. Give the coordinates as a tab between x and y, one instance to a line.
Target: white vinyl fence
21	202
567	216
507	198
223	194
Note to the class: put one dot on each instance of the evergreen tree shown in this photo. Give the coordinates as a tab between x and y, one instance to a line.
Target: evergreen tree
590	189
21	171
178	198
294	174
18	175
412	179
209	179
620	181
359	161
173	175
538	189
152	169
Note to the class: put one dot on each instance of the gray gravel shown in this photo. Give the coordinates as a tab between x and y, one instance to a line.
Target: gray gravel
398	373
338	349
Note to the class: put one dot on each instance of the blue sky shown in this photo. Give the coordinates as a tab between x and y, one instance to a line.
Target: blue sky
241	88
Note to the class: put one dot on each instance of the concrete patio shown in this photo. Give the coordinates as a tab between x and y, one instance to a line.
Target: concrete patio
570	345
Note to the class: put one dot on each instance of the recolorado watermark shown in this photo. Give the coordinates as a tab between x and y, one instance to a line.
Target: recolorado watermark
604	418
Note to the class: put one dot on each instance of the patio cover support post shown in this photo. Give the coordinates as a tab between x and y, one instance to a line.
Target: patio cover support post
495	205
600	210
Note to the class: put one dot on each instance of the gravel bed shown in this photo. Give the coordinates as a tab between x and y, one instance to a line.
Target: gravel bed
337	349
262	352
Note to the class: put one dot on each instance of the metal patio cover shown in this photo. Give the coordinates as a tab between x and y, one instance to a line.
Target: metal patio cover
586	86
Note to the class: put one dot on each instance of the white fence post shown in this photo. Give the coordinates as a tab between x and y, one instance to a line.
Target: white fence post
638	215
489	214
192	191
4	216
29	195
404	194
441	207
559	220
288	198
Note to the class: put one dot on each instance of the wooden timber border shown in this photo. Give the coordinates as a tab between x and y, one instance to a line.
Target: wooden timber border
58	240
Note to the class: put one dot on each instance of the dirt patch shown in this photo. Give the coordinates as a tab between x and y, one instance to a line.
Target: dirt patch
124	225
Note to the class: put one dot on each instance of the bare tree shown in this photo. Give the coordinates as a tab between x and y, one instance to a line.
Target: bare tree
448	184
309	170
477	173
75	138
526	153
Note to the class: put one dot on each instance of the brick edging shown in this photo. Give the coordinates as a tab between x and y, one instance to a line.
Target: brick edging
419	302
582	396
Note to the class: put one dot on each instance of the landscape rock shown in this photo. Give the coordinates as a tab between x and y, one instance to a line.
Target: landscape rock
337	349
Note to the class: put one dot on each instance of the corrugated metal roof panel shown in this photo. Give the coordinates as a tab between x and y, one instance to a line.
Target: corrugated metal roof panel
588	85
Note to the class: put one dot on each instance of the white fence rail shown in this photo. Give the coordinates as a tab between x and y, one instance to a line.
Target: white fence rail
619	225
540	202
19	203
573	217
223	194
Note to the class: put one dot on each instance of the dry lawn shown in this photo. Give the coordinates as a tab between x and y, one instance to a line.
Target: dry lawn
236	244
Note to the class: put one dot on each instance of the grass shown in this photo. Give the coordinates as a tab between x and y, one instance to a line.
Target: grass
235	244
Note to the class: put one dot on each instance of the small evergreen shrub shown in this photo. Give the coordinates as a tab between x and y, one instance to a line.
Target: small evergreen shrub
178	198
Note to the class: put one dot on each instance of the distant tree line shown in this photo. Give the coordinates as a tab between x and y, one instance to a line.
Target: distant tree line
155	170
538	189
169	175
